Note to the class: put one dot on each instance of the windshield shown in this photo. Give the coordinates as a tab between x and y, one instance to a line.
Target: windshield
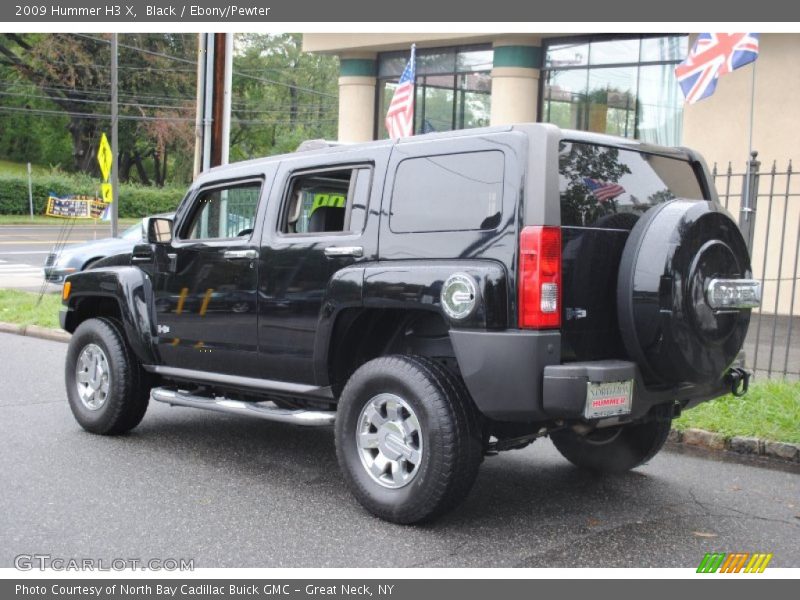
133	233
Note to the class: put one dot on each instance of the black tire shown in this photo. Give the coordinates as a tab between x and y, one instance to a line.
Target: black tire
617	449
449	430
128	391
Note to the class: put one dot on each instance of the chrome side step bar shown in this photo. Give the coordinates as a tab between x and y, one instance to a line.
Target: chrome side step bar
309	418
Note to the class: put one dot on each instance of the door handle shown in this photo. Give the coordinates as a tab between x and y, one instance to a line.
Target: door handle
241	254
336	251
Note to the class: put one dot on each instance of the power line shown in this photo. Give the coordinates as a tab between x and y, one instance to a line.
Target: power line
237	73
305	112
95	91
142	50
103	116
135	98
127	67
83	101
294	87
83	115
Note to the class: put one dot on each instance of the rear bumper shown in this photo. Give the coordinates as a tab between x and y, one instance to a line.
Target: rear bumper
503	370
518	376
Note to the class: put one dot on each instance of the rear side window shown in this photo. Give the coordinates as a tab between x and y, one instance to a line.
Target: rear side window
609	187
452	192
329	201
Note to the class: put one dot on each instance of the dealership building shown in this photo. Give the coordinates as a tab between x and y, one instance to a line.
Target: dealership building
622	85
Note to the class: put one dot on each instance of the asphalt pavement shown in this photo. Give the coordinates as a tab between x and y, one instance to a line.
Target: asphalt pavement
228	491
23	249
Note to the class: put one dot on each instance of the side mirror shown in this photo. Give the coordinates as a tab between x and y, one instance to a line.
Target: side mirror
159	230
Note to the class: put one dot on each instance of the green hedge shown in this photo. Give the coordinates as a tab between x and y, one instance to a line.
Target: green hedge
134	200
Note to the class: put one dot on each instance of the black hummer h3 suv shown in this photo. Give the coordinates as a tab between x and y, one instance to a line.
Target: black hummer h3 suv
437	298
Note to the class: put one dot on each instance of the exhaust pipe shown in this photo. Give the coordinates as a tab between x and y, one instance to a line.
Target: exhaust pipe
308	418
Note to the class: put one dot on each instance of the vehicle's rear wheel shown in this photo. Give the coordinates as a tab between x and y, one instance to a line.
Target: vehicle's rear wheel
616	449
107	388
408	438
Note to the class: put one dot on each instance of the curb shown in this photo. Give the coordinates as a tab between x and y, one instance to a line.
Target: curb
44	333
748	446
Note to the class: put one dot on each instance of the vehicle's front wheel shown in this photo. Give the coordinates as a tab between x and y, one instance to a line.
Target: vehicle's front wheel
408	439
106	386
616	449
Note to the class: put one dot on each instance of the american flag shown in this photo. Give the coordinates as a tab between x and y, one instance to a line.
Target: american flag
712	55
603	190
400	116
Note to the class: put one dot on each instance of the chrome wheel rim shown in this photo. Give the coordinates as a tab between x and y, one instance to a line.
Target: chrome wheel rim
92	377
389	441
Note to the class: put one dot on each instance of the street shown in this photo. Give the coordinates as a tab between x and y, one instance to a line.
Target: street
227	491
23	249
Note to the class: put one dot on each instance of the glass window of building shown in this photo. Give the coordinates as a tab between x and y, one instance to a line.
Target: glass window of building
624	87
453	87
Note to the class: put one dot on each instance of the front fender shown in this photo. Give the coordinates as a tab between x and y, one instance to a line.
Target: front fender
132	291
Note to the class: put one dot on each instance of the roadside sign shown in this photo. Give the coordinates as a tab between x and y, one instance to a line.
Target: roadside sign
104	157
107	192
75	207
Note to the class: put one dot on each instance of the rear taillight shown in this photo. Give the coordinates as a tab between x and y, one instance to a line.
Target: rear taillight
540	278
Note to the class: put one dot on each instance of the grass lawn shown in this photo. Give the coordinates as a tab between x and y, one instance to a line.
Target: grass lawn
770	410
24	308
43	220
20	169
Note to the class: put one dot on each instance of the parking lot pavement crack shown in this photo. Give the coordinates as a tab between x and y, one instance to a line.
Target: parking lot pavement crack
698	503
748	515
451	554
17	404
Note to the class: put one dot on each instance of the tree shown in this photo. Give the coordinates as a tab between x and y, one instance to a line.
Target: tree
70	73
282	95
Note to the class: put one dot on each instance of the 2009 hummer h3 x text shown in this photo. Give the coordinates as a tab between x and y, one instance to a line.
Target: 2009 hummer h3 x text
437	298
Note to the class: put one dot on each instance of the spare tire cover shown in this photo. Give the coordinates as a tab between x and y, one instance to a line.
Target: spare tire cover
666	323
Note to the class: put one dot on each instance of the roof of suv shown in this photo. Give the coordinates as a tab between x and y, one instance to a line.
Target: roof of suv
325	147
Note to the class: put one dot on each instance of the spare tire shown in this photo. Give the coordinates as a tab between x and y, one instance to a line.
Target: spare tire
665	320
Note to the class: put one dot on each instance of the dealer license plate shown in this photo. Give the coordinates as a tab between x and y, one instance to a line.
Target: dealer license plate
608	399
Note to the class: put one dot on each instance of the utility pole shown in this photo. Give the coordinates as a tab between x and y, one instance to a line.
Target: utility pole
199	111
227	91
214	91
218	100
114	135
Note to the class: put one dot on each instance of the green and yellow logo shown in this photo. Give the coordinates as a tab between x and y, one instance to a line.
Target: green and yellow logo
734	562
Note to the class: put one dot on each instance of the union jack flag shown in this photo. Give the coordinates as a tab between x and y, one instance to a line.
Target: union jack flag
400	116
712	55
603	190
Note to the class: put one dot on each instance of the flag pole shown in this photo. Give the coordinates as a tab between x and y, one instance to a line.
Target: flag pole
752	108
747	208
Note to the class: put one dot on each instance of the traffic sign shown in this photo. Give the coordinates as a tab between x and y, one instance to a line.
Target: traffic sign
107	192
104	157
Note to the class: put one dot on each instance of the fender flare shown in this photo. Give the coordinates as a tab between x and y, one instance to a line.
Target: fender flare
408	285
132	290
